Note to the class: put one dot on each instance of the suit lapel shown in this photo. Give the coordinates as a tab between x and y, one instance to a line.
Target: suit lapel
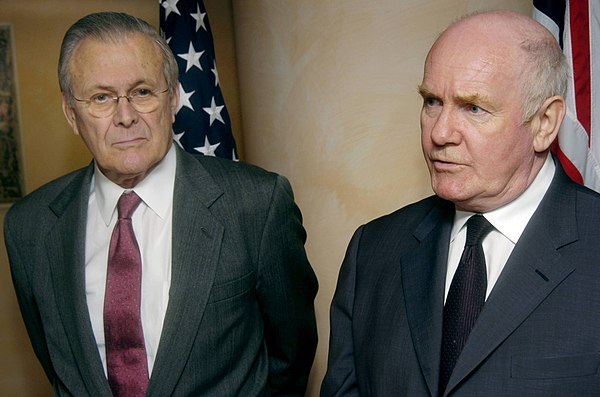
196	243
534	269
65	245
423	278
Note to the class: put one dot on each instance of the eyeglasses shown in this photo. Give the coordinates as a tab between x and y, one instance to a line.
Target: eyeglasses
104	104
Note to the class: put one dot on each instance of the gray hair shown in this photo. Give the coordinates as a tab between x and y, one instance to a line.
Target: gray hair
545	74
111	26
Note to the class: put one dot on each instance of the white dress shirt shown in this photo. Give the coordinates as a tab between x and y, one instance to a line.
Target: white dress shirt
509	221
153	230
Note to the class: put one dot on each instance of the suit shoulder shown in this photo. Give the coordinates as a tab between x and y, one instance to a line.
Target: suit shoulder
587	207
588	195
45	194
408	216
238	174
30	217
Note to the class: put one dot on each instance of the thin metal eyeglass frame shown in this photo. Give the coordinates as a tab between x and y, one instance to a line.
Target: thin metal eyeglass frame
115	102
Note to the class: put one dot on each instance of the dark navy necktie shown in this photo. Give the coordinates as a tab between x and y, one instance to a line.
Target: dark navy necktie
126	360
465	298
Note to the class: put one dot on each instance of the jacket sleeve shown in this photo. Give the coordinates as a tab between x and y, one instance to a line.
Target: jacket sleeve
21	276
286	290
340	378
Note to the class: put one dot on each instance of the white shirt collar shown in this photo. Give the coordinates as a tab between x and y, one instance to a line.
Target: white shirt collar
155	190
512	218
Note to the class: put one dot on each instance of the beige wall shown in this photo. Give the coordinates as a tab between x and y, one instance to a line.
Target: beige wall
329	99
327	95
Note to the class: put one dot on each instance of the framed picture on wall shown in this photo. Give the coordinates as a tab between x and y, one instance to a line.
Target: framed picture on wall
10	152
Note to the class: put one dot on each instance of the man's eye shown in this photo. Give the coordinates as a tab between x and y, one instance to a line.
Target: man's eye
101	98
141	93
431	102
474	109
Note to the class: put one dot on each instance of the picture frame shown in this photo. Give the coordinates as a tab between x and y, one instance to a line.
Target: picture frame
11	178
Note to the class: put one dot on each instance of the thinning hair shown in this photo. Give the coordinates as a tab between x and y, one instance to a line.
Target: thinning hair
544	71
545	74
111	27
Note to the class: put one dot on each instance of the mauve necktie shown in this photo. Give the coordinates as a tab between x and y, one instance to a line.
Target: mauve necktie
465	298
126	361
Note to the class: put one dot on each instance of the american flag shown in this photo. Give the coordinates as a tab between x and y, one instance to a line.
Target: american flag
202	123
576	26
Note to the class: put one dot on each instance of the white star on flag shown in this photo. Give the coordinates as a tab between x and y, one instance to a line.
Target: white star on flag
177	138
186	26
199	17
207	149
192	57
214	112
216	73
184	99
170	6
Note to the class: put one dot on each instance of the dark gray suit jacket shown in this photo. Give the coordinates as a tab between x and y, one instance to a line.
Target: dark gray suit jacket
240	320
538	333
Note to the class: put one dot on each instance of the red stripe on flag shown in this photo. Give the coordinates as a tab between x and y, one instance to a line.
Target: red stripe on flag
580	42
567	165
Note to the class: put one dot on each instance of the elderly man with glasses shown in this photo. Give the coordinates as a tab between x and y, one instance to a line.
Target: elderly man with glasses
153	272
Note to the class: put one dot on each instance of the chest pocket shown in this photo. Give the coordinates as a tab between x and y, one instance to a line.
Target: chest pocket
233	288
555	367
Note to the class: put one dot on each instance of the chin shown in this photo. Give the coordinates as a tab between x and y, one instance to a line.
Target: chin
456	195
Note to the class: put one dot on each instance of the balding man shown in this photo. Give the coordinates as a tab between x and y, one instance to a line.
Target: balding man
491	287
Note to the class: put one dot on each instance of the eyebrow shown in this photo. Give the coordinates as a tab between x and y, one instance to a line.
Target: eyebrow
113	88
475	98
424	92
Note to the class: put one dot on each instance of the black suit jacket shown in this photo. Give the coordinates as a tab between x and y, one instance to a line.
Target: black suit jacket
240	320
538	333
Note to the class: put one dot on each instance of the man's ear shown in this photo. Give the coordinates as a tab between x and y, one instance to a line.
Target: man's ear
69	114
174	102
546	122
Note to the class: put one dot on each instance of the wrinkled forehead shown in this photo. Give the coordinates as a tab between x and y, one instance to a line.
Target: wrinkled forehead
501	32
126	47
132	50
476	46
116	58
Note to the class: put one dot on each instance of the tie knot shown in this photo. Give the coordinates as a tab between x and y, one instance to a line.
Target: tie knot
127	204
477	228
